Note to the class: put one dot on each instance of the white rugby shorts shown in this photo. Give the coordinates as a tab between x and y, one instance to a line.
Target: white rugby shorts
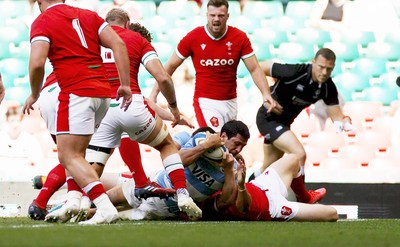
277	193
137	121
48	104
79	115
215	112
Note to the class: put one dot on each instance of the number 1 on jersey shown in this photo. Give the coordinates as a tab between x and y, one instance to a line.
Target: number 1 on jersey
76	25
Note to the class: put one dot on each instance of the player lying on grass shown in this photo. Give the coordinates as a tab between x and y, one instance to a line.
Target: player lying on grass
265	197
204	177
204	173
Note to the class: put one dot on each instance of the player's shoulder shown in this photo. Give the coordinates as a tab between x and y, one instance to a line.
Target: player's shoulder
200	30
182	137
236	31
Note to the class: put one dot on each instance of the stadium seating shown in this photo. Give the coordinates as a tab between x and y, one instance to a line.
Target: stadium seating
391	36
376	140
5	51
345	51
388	80
356	36
262	51
17	94
383	124
156	25
361	154
329	140
380	94
146	8
347	94
354	82
14	66
304	125
339	163
337	169
294	52
174	35
164	50
15	33
14	9
263	11
372	67
312	36
315	155
285	23
383	50
392	152
299	10
386	168
22	50
177	11
363	113
339	67
245	23
269	36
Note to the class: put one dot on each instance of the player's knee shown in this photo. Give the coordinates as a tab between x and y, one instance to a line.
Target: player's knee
301	156
293	160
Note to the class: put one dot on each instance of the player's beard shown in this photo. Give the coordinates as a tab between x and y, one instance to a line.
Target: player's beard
217	28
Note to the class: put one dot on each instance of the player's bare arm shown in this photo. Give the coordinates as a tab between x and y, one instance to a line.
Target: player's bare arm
228	195
188	156
166	86
37	60
170	66
243	200
261	82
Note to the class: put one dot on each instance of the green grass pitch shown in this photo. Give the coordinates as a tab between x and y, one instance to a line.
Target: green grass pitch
22	231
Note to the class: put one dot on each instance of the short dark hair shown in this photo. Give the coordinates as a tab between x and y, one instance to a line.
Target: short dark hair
137	27
218	3
203	129
234	127
326	53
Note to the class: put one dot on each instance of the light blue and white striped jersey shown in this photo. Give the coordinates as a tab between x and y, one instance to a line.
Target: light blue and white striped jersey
202	178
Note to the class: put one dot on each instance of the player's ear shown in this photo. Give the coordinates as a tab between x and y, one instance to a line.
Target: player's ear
223	134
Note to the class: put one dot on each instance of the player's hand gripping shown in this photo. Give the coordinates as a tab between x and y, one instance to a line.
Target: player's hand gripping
212	141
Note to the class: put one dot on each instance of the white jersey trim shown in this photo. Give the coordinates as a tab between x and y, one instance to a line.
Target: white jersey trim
40	38
179	54
149	56
248	55
212	37
101	28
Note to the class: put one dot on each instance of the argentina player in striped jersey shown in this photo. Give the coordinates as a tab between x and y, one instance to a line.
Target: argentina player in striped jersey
203	176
